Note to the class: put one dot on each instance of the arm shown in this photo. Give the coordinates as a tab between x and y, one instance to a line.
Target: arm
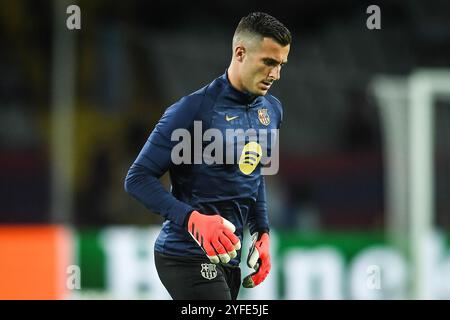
258	220
259	254
142	180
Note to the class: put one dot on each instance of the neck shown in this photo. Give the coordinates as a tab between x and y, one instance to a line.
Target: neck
233	77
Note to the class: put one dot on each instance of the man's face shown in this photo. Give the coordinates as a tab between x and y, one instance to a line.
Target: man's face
261	65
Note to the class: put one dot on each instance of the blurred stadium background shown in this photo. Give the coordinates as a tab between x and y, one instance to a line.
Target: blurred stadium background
360	207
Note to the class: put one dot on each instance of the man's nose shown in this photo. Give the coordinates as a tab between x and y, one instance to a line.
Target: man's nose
275	73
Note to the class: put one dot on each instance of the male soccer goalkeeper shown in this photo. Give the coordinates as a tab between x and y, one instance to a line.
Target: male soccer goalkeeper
197	252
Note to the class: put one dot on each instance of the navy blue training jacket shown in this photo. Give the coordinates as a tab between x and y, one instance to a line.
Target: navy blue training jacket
213	188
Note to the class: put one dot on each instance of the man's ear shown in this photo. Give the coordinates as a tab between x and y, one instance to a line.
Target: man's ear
239	53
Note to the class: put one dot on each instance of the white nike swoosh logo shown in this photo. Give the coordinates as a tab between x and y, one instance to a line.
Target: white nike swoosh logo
230	118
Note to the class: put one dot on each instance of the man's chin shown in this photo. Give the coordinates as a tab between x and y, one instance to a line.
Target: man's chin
260	92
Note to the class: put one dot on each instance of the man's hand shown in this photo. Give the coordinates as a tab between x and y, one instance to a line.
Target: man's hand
258	259
215	235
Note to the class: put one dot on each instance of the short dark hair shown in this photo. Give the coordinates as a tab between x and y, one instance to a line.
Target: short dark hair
264	25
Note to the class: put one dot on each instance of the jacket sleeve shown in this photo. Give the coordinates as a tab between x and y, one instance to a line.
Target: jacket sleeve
142	180
258	220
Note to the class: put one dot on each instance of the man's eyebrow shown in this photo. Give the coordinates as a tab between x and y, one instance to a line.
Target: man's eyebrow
272	60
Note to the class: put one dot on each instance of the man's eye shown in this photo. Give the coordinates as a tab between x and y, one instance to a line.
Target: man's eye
270	63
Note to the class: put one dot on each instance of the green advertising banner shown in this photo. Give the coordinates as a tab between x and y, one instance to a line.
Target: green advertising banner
117	263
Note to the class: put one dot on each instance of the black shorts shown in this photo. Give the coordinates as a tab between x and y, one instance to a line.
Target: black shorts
192	278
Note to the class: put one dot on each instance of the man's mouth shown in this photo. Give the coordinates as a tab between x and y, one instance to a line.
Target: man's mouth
266	84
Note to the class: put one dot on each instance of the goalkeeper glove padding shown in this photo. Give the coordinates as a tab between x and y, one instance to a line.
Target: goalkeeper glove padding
215	235
258	259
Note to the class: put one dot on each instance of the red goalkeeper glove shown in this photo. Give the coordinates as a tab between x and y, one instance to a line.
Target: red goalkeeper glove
258	259
215	235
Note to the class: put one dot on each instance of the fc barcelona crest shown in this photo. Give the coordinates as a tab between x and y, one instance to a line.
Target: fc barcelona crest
263	117
208	271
